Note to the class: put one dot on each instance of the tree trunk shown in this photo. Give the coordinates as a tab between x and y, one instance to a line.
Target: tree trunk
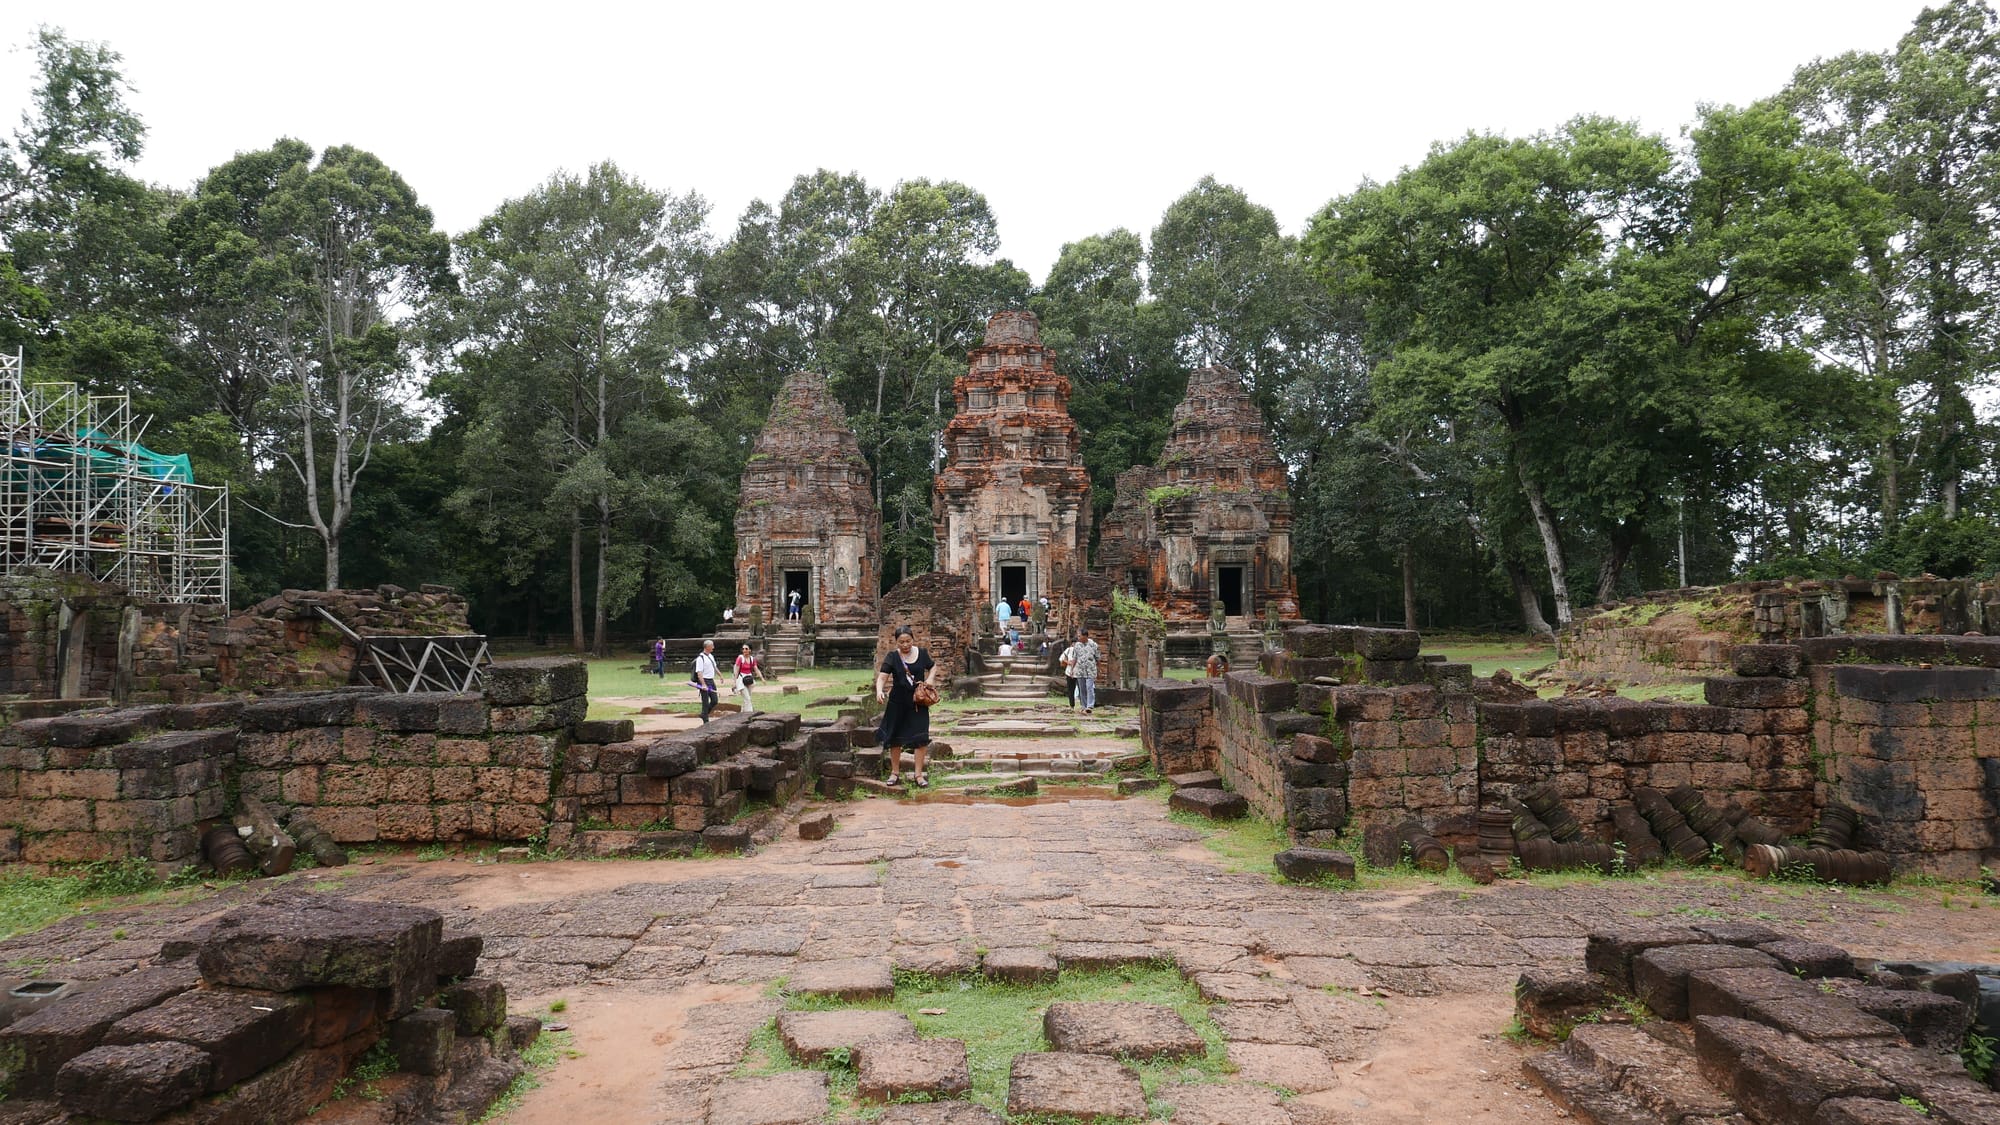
576	581
1531	602
1889	464
1614	566
1409	587
1552	551
600	642
332	540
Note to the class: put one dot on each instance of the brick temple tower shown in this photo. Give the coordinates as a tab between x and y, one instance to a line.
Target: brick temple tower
1213	521
806	519
1011	502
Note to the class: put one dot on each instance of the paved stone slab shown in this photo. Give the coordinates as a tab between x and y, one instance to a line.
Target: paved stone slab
1239	988
1305	865
1302	1070
797	1098
1329	972
868	978
810	1037
1139	1031
1068	1085
1234	1104
1261	1023
762	941
1104	954
1020	965
939	960
891	1070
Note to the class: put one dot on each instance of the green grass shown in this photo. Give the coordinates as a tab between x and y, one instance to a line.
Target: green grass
1518	654
29	901
626	678
998	1021
1245	845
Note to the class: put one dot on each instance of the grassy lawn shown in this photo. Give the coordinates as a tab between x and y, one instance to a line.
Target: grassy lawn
617	683
1487	654
998	1021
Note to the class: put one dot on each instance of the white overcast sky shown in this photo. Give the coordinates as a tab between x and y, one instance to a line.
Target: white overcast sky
1073	118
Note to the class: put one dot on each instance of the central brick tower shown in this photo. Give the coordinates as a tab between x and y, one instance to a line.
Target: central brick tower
1012	501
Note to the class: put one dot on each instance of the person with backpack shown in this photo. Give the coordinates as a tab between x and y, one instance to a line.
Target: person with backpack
703	679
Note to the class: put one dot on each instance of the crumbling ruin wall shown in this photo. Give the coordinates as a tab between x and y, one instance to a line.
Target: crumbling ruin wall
519	763
65	636
1900	728
1908	733
938	607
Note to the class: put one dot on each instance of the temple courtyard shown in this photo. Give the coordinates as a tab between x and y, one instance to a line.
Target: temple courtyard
958	913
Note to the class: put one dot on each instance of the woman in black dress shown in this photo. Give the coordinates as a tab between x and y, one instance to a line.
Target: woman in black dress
903	722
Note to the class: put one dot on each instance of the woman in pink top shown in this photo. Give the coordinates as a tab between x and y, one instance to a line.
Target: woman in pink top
746	675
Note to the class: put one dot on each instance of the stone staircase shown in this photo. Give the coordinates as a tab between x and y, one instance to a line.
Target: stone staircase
1246	645
781	647
1019	676
1619	1074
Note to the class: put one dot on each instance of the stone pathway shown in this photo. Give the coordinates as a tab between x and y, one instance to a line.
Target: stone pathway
1378	1006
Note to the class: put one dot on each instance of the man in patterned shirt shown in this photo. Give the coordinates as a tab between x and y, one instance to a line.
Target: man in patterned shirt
1083	660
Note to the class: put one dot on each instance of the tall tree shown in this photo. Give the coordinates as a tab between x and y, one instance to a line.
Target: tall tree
575	322
1920	320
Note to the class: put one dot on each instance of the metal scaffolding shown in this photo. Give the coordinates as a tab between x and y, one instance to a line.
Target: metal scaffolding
78	493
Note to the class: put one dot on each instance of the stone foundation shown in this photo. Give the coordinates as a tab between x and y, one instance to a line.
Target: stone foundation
1357	727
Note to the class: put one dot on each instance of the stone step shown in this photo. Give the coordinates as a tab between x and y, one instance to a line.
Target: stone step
1577	1089
1618	1074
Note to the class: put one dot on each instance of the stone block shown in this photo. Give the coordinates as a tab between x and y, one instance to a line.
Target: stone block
1313	775
1660	975
1020	965
538	681
241	1032
1609	952
1316	748
1759	692
1549	1002
1215	804
796	1098
422	1041
810	1037
602	732
395	711
1926	1019
1260	692
300	712
1315	810
1810	958
539	717
1818	1018
891	1071
1137	1031
701	786
1307	865
280	946
1060	1084
136	1082
174	748
816	825
1175	695
1730	992
1869	1111
1737	933
861	978
36	1046
1767	660
477	1004
100	728
522	1031
671	759
463	713
1776	1078
726	839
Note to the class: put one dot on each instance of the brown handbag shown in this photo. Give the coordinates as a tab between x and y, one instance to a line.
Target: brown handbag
924	695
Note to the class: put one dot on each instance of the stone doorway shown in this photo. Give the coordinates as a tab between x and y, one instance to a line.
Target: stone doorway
799	580
1229	590
1014	582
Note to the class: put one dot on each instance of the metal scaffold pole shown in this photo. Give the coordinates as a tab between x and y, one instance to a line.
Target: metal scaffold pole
79	494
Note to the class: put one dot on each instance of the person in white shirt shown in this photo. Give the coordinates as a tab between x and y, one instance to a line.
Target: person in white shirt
704	678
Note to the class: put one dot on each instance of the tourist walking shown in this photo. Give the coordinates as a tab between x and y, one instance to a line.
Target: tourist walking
792	606
1068	659
704	679
660	657
1083	658
906	719
746	676
1001	612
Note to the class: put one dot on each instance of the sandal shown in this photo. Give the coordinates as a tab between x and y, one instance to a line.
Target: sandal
923	782
895	779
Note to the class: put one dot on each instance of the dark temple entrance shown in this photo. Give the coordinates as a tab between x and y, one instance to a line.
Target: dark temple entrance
1014	584
801	581
1229	589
